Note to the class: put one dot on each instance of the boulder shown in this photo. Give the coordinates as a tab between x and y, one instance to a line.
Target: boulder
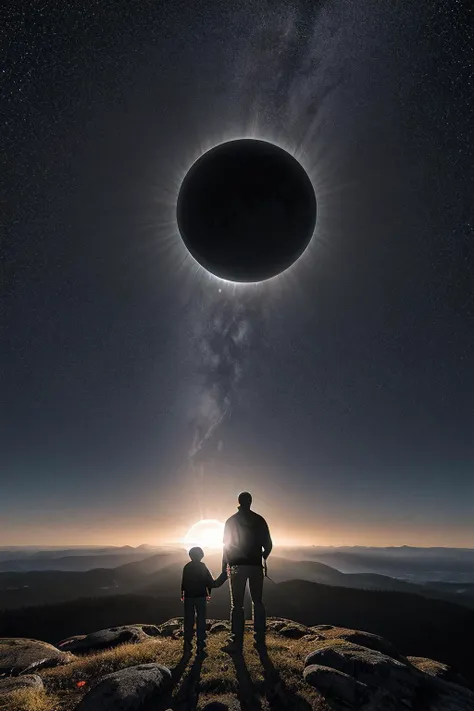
220	627
168	629
353	677
293	631
103	639
65	645
150	630
321	628
365	665
277	623
19	655
222	706
275	626
336	685
13	683
138	688
369	640
439	670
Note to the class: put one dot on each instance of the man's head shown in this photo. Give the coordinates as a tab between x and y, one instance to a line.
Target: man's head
245	500
196	554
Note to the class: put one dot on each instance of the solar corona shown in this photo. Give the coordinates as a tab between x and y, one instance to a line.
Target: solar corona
246	210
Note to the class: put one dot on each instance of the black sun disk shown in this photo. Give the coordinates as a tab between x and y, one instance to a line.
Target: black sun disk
246	210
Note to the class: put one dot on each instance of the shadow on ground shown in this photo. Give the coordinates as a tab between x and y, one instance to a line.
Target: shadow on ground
188	694
276	693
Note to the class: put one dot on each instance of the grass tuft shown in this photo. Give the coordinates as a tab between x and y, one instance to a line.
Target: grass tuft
28	700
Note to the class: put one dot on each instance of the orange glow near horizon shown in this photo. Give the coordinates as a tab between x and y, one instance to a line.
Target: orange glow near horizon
134	533
207	534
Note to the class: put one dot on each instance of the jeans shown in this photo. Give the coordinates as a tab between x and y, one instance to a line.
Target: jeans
195	605
239	574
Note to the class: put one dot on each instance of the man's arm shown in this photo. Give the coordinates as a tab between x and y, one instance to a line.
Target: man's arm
267	544
182	585
225	542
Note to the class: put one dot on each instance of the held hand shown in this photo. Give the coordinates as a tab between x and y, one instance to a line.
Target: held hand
220	580
208	598
182	597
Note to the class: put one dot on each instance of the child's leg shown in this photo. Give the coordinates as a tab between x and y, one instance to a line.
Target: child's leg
188	620
201	622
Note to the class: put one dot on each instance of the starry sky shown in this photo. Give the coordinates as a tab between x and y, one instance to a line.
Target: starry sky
346	401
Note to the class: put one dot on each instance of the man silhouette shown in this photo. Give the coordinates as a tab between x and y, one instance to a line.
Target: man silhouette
246	541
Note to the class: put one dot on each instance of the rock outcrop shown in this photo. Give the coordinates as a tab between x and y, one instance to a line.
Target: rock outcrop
169	629
293	631
105	639
370	641
27	681
19	655
355	677
344	669
219	627
439	670
139	688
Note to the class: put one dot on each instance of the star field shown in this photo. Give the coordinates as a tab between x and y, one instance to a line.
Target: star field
351	407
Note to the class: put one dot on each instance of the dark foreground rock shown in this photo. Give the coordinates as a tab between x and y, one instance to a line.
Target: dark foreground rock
18	655
105	639
352	676
439	670
171	628
27	681
369	640
322	628
336	685
143	687
275	624
220	627
222	706
293	631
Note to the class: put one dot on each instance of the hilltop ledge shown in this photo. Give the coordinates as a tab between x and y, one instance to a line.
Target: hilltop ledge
140	668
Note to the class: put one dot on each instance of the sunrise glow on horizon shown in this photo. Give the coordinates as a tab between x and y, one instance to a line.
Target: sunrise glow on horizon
207	533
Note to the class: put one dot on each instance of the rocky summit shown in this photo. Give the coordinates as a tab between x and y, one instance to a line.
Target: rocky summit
141	667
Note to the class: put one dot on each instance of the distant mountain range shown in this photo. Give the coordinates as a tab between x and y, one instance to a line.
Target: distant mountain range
408	563
159	574
73	559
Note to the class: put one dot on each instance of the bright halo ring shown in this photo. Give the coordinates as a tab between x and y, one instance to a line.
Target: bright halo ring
207	533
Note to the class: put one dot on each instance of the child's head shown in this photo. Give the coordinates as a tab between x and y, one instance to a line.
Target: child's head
196	553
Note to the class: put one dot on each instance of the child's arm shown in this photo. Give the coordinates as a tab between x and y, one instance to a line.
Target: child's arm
182	587
220	580
209	582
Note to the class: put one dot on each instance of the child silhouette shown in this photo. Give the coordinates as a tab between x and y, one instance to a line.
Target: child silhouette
196	587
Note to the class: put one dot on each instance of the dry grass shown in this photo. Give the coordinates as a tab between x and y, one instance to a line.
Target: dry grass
218	677
27	700
429	666
61	682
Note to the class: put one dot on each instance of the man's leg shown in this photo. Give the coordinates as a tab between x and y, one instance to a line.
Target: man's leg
238	581
201	623
188	622
256	592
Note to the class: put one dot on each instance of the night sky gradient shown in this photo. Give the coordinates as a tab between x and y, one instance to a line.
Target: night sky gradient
140	394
